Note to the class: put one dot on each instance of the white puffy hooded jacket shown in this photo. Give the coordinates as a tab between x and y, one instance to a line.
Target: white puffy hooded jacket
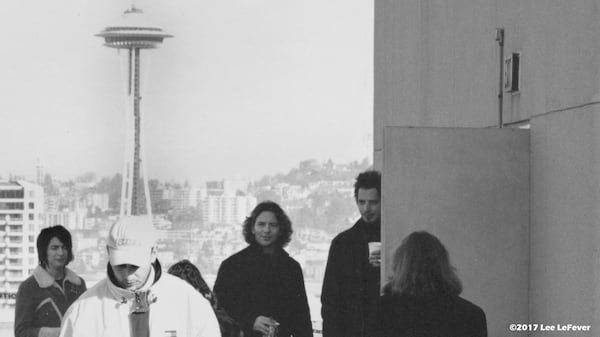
178	310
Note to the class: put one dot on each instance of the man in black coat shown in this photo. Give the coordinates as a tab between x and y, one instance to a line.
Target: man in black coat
350	295
261	285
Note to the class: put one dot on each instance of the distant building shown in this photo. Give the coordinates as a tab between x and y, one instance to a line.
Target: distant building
227	187
39	173
180	199
235	186
70	219
168	193
80	242
289	192
21	208
51	203
160	222
156	196
226	201
185	197
312	235
98	200
215	187
224	209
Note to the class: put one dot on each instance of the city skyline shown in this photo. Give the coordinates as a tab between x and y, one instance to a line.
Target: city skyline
92	176
246	89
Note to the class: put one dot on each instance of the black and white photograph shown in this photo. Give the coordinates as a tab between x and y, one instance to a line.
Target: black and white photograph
281	168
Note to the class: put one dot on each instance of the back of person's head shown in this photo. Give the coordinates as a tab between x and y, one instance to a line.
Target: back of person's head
186	271
421	267
367	180
284	222
44	238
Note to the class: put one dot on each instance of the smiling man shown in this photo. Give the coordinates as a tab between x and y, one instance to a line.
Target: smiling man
137	299
262	286
350	296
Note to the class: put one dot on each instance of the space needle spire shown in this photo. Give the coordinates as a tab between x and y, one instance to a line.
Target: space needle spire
133	37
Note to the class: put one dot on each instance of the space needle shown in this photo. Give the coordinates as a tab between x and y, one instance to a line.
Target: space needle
132	35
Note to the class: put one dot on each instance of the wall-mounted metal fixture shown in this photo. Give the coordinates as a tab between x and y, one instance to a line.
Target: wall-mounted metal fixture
512	72
500	40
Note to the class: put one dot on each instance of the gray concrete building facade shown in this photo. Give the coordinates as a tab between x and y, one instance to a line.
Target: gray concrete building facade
522	225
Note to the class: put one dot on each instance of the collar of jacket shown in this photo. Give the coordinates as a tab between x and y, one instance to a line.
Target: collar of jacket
45	280
361	226
121	294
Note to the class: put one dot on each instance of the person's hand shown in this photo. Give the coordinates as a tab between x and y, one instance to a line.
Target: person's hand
262	324
49	332
375	258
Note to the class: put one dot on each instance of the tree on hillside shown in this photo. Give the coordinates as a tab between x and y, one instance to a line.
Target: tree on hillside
337	212
49	188
111	186
264	195
87	177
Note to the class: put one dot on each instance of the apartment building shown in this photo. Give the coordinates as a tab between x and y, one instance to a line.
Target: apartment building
21	217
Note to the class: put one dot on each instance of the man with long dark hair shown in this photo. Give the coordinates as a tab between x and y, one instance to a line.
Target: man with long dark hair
262	286
350	296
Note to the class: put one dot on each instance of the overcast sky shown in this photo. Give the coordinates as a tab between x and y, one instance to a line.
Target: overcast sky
245	88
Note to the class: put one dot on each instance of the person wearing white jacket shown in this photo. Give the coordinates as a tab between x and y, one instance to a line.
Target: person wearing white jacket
137	299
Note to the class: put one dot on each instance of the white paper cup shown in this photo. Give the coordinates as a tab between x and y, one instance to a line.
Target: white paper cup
374	248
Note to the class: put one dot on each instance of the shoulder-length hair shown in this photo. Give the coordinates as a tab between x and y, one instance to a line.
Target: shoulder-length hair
43	241
284	222
421	267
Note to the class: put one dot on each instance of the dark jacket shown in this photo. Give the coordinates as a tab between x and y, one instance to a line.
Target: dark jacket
251	284
41	302
440	316
344	286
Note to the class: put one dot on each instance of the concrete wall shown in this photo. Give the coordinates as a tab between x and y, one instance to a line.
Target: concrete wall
436	65
437	61
565	219
469	187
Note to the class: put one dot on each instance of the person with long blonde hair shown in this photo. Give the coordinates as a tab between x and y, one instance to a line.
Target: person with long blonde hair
422	296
